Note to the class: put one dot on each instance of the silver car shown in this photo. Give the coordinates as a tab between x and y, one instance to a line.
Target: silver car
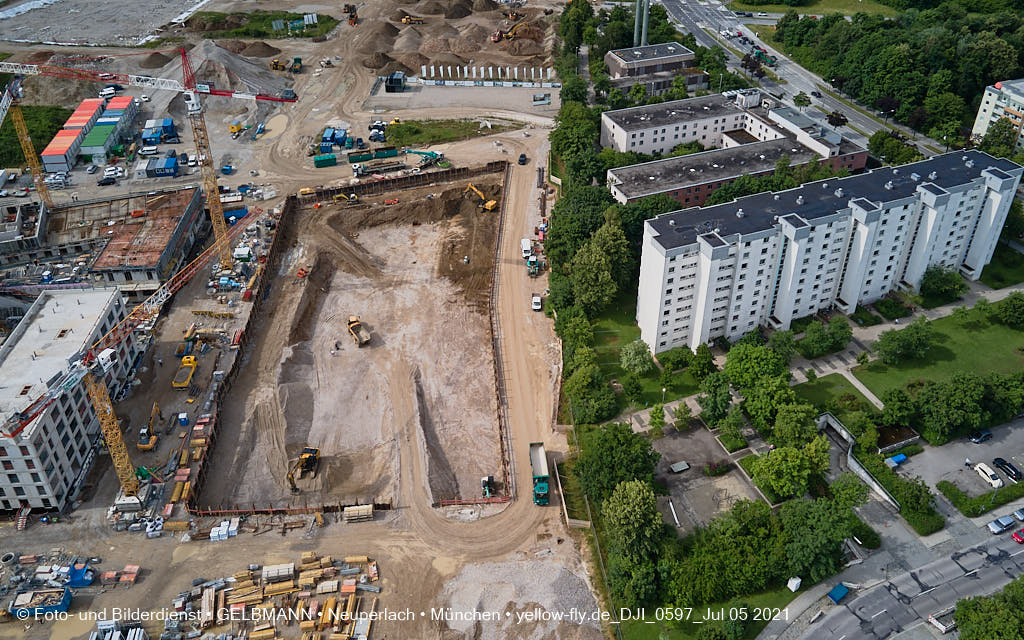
1000	525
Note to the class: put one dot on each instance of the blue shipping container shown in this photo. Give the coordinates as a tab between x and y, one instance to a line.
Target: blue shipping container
112	113
162	167
326	147
238	214
339	136
151	136
167	125
328	135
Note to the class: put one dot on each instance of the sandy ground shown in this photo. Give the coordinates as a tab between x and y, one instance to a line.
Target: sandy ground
87	21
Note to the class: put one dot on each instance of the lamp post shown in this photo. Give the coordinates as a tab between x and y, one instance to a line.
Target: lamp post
663	395
887	114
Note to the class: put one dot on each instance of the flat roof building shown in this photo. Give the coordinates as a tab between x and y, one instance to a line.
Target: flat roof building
45	463
769	258
656	67
1002	100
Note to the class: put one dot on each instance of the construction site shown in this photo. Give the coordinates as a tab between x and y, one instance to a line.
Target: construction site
346	373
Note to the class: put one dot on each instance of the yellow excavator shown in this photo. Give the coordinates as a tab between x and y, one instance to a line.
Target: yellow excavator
308	462
147	434
488	205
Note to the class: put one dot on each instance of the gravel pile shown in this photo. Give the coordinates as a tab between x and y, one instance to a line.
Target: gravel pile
435	45
154	60
408	40
474	33
459	9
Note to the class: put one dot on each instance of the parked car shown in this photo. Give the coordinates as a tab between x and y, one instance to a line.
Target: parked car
762	14
1019	514
1008	469
109	180
144	98
816	94
1018	536
536	302
977	437
1000	525
522	158
3	193
91	169
988	475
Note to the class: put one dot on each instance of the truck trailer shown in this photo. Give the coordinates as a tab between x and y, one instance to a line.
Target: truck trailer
539	464
381	166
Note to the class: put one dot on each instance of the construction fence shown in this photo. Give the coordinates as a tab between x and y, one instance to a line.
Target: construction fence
406	182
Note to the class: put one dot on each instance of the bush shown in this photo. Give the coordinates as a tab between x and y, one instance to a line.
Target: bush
731	442
910	450
717	468
869	538
979	505
891	309
924	524
865	318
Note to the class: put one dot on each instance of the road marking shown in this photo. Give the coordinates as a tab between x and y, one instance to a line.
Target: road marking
878	614
1017	554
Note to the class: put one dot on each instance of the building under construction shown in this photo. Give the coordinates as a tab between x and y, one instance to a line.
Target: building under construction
133	242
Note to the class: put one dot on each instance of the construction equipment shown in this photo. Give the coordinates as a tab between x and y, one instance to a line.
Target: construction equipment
539	464
488	205
412	20
185	372
296	65
260	128
533	266
487	486
353	19
147	434
511	34
513	15
380	166
308	462
10	102
276	65
762	56
430	158
358	331
351	198
326	62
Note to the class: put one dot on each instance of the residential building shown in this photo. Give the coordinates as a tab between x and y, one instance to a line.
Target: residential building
655	66
770	258
44	465
750	133
1001	100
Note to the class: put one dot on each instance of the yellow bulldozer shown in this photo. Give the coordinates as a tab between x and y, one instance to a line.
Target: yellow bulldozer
308	462
487	205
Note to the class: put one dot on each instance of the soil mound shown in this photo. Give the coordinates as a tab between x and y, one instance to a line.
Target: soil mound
447	59
394	66
234	46
382	30
474	33
154	60
485	5
431	7
530	32
409	40
460	45
260	50
413	60
458	9
377	61
398	15
444	30
39	57
525	48
435	45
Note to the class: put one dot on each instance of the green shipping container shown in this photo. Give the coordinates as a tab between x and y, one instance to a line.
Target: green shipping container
325	160
385	152
360	156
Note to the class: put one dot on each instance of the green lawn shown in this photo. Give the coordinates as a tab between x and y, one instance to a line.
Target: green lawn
257	24
1005	269
776	598
617	327
990	347
824	394
412	133
572	491
848	7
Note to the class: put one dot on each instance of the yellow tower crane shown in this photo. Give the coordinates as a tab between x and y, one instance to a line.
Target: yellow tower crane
12	96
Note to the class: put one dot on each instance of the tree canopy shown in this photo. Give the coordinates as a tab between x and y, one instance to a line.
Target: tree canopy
612	454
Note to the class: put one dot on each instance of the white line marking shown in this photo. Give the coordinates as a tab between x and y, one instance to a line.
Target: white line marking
878	614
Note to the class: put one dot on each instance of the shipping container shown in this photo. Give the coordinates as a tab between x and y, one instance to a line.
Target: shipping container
236	212
360	156
339	136
167	125
326	147
99	140
328	135
162	167
140	168
63	150
151	136
325	160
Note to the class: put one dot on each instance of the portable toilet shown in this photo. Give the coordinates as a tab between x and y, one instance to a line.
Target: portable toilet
235	126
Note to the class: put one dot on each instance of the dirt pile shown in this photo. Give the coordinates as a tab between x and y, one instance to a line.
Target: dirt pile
213	22
530	32
234	46
458	9
459	45
413	60
39	57
431	7
260	50
230	71
378	60
409	40
485	5
474	33
525	48
435	45
154	60
447	59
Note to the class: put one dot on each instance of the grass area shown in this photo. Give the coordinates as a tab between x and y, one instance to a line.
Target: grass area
572	491
799	325
865	318
826	392
258	24
413	133
732	444
989	347
776	598
42	123
163	43
1005	269
848	7
982	504
891	309
615	328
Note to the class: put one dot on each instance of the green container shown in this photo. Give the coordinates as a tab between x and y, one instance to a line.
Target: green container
360	156
385	152
325	160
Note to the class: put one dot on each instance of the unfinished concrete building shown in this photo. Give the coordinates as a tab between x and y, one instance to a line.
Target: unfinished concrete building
45	463
22	228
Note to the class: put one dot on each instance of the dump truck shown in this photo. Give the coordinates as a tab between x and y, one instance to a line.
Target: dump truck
412	20
539	464
296	65
358	331
185	372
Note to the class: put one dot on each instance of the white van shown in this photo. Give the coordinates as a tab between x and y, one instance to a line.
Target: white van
527	247
109	92
148	151
988	475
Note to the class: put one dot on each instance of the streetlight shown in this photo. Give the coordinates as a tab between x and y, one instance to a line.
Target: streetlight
663	395
887	114
945	140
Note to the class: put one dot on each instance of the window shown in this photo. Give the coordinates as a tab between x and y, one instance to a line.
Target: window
19	491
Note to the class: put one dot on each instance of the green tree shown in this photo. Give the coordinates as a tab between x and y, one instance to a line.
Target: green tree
703	363
657	417
863	358
593	286
1001	139
840	332
574	89
612	454
947	409
636	358
1010	310
783	343
913	342
764	400
632	521
732	425
837	119
633	583
715	398
802	100
962	316
745	364
583	356
848	491
942	283
632	389
611	241
795	425
900	409
576	333
815	530
637	93
999	616
590	398
784	470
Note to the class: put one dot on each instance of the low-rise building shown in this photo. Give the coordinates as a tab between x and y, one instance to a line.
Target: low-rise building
45	463
769	258
655	66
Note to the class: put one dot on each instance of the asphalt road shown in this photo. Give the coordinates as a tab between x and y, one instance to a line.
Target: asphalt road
906	600
706	19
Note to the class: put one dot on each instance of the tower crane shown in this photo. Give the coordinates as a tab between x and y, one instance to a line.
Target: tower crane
97	360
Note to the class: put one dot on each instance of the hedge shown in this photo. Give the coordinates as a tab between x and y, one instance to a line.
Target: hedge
865	318
869	538
732	444
909	450
979	505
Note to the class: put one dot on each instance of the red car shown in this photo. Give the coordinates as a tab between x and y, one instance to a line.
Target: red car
1018	536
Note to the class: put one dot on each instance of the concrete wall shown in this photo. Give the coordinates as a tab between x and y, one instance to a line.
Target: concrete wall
827	419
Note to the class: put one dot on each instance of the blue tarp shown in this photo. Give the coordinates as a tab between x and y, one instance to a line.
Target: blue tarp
80	577
837	593
899	458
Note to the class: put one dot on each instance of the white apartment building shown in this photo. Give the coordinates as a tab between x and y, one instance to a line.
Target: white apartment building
44	465
1001	100
770	258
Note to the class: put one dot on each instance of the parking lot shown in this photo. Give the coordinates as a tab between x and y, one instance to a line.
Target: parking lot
947	462
696	497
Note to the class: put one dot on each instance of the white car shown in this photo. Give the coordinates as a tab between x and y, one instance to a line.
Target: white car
144	98
3	193
762	14
536	303
988	475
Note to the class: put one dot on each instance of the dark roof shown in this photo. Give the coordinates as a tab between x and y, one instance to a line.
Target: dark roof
674	112
651	52
819	199
670	174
